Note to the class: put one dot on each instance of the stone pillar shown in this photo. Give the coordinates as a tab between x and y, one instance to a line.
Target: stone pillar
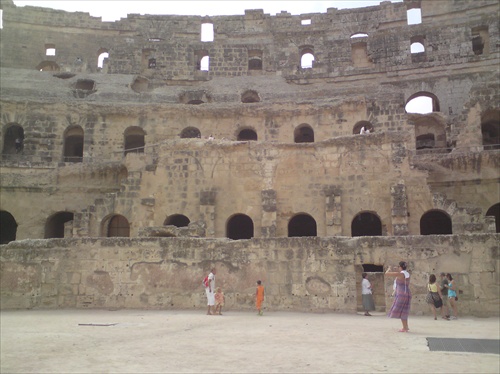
333	210
207	211
399	210
268	224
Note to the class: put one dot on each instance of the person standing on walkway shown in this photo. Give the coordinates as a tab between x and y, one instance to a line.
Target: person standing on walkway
402	299
259	297
445	311
366	294
210	292
452	296
434	297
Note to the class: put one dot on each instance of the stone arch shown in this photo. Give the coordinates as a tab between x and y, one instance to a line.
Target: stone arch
239	226
434	102
307	57
8	226
495	212
116	225
102	54
360	124
254	59
429	133
13	139
177	220
366	224
134	140
303	134
202	59
250	96
190	132
302	224
54	226
73	144
246	134
435	222
490	129
48	66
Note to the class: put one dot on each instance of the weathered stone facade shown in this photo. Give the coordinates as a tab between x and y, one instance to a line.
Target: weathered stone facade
122	150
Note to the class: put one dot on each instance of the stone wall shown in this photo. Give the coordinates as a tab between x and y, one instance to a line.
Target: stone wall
302	274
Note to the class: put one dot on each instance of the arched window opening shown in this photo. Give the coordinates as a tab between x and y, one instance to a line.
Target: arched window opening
73	145
103	54
414	16
480	40
13	140
8	227
254	63
118	226
435	222
247	134
239	226
366	224
47	66
302	225
207	32
54	227
250	96
425	141
495	212
366	126
50	49
430	133
190	132
205	63
134	140
202	60
417	47
177	220
490	129
307	60
422	103
303	134
254	59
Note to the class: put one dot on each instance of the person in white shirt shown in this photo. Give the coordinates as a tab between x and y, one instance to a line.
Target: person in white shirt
366	294
210	292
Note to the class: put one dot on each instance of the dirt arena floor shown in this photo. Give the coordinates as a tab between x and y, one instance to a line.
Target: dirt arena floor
145	341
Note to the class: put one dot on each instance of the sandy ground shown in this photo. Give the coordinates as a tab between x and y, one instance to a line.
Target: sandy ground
57	341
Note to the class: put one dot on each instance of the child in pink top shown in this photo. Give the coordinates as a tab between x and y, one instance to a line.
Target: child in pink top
219	301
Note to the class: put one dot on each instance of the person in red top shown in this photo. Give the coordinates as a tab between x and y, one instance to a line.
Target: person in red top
259	297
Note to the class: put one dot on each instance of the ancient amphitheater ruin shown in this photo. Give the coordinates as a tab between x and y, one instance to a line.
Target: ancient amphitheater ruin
137	154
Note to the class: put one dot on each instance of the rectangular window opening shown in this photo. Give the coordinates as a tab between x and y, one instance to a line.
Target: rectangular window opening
207	32
305	22
414	16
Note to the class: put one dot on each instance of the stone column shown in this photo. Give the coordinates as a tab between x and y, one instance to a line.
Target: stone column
207	211
333	211
399	210
268	224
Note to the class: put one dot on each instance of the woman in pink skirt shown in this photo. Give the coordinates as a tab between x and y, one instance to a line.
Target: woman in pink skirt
402	298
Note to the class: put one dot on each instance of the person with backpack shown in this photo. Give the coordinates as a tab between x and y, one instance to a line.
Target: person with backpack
209	283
